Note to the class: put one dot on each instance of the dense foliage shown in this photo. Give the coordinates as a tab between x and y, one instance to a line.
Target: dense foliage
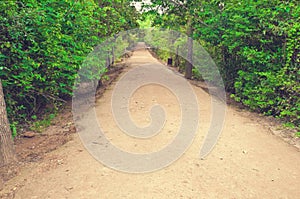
44	42
260	44
255	44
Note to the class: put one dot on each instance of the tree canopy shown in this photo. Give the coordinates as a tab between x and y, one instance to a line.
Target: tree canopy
44	42
255	44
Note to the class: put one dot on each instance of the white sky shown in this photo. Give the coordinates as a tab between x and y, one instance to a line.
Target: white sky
138	5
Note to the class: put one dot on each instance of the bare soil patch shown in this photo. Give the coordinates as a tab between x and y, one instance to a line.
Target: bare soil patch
35	148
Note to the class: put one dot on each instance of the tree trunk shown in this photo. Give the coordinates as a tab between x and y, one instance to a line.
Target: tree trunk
176	64
7	154
189	63
113	56
108	64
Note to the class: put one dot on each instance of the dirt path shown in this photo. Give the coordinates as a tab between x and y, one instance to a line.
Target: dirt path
247	162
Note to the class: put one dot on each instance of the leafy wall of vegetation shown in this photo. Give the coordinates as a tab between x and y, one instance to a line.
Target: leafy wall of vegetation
44	42
255	44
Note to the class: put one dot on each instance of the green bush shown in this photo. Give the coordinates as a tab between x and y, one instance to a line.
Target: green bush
44	43
256	45
259	44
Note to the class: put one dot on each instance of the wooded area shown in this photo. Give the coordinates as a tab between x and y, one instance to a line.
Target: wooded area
255	45
43	44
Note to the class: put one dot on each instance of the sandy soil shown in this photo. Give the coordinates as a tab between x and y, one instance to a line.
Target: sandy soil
247	162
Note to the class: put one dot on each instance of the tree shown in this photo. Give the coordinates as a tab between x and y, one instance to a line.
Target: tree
178	15
44	43
255	45
6	142
257	52
189	63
